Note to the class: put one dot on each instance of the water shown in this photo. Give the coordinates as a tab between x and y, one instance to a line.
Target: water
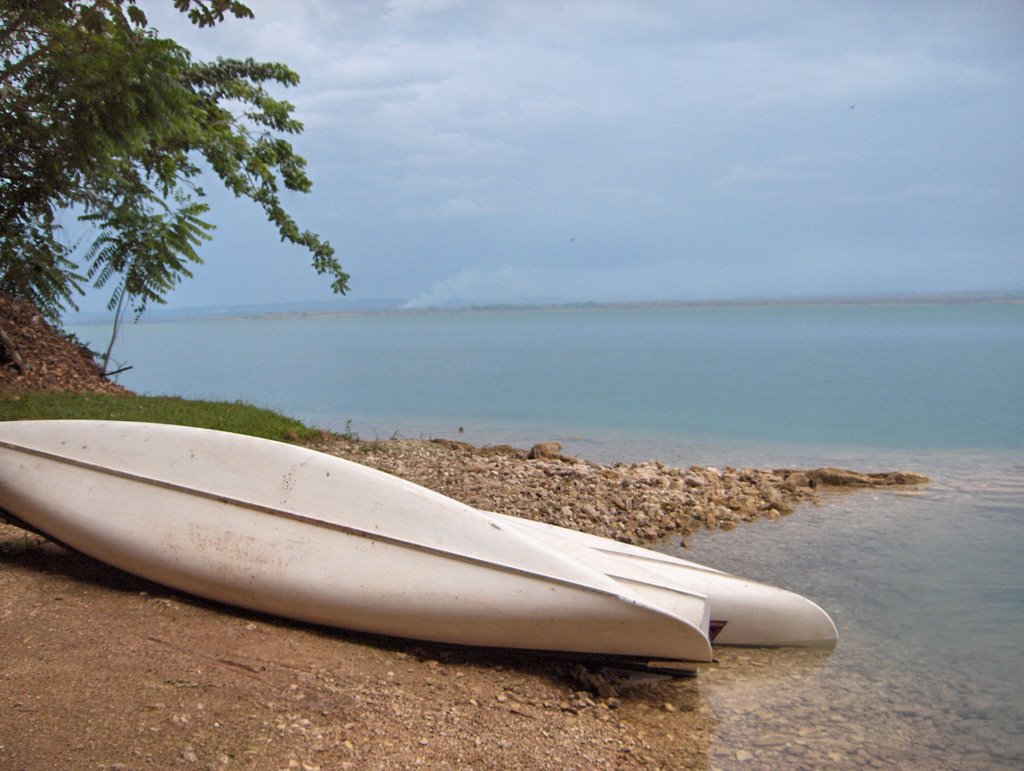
875	376
926	590
926	587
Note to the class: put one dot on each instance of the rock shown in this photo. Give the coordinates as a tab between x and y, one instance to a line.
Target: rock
901	478
837	477
502	449
545	451
695	480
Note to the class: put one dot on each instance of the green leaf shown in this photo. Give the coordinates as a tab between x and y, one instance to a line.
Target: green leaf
103	119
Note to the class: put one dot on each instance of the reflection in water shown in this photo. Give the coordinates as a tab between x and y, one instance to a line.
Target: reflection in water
927	593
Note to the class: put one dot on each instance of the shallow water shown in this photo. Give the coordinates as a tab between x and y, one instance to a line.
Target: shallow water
927	593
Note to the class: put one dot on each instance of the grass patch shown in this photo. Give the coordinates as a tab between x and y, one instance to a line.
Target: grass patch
225	416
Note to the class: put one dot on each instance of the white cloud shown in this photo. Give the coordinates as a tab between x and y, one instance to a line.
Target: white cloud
787	169
464	207
437	126
408	10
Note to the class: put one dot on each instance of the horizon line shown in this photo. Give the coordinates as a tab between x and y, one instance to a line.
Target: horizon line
307	308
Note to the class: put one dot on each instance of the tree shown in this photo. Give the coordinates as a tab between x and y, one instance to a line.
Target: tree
104	120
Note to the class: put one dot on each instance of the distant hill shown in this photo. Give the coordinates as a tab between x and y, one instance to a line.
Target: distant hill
337	305
344	305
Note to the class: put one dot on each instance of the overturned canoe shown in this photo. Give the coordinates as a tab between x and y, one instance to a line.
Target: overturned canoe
288	531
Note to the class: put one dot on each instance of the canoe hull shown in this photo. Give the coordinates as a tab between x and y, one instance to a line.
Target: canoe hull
287	531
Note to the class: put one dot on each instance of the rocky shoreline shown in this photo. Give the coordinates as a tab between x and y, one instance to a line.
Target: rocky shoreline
639	503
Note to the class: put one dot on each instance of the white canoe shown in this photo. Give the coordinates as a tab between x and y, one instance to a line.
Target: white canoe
304	535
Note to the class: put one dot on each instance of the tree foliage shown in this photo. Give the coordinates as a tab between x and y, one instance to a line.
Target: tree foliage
104	120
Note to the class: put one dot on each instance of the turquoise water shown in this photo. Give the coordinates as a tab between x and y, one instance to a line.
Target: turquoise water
918	376
926	586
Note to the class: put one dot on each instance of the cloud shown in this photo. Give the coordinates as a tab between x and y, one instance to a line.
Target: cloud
790	168
409	10
456	208
464	207
460	146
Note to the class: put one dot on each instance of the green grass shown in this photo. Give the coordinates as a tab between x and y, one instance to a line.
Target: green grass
225	416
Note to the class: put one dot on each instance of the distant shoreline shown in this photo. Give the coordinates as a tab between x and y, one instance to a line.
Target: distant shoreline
319	309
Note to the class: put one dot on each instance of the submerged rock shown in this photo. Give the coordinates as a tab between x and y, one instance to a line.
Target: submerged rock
838	477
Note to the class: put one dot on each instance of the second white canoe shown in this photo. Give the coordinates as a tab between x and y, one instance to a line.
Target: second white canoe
743	612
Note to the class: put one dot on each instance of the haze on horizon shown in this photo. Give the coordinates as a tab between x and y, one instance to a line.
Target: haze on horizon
506	152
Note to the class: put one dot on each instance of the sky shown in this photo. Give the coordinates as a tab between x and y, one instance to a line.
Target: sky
504	152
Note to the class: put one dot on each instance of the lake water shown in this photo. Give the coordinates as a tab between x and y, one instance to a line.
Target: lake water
926	586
